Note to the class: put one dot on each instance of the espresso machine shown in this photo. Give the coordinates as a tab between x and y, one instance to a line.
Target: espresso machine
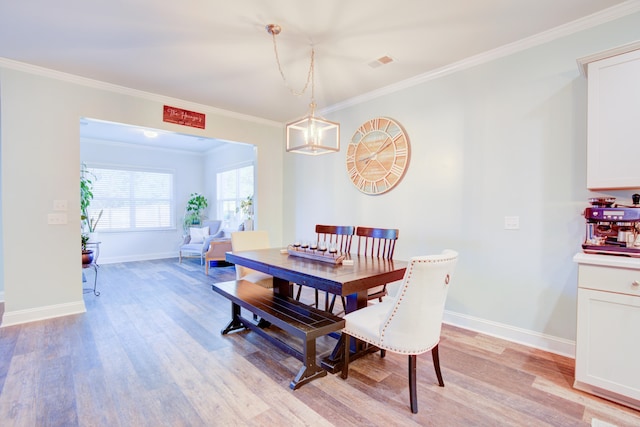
612	229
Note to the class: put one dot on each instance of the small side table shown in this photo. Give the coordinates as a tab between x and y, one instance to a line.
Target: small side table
94	265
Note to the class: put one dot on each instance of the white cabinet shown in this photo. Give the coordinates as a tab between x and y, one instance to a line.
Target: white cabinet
608	328
613	126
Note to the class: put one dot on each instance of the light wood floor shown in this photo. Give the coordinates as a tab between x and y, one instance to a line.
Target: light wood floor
148	352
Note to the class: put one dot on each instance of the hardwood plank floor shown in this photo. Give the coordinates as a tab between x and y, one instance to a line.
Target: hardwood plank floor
148	352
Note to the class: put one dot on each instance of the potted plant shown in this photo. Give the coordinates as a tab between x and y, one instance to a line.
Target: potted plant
196	204
246	206
86	196
87	254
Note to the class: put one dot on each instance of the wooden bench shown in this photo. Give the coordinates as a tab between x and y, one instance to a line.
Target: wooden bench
294	317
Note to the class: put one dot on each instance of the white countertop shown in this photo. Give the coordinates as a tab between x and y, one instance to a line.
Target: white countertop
607	260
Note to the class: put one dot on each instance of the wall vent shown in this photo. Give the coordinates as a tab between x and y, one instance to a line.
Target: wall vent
383	60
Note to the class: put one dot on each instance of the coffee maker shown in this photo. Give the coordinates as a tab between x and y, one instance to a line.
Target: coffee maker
612	229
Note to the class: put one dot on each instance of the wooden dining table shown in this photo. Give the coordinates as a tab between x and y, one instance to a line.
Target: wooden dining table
350	281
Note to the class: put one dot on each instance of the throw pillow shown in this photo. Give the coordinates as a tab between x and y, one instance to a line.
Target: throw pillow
198	234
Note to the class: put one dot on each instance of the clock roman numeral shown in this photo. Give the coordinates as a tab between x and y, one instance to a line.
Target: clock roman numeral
353	172
397	136
396	170
402	152
387	125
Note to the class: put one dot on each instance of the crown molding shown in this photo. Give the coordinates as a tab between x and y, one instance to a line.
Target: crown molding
583	63
607	15
97	84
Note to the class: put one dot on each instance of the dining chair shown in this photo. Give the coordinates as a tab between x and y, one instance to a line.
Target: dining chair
409	323
340	236
377	243
250	240
373	243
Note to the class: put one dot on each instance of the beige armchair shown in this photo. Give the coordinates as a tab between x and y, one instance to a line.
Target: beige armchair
216	252
246	241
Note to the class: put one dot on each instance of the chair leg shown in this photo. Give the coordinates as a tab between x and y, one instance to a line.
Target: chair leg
345	355
436	364
413	397
383	352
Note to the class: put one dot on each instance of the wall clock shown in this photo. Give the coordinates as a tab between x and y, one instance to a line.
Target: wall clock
378	155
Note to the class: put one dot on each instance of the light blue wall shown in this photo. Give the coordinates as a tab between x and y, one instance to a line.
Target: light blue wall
503	138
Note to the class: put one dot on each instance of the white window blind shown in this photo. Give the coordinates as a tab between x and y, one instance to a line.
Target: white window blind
132	199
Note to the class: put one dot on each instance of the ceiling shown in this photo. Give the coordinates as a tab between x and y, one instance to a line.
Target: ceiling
218	53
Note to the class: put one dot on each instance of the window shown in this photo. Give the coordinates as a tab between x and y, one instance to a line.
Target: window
132	199
233	186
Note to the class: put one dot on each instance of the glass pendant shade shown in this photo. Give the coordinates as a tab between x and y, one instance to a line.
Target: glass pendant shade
313	135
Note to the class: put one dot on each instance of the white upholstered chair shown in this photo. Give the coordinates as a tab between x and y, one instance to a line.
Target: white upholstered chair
409	323
246	241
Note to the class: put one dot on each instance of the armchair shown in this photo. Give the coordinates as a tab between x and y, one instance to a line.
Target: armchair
197	242
217	252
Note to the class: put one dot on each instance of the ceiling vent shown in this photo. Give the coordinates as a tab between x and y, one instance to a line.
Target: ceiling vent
383	60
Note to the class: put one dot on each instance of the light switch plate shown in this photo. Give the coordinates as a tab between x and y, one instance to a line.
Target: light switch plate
511	222
59	205
57	218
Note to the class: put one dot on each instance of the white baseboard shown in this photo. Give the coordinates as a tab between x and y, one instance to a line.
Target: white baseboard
526	337
17	317
132	258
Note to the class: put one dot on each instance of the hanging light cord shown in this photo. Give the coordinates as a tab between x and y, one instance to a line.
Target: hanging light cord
310	74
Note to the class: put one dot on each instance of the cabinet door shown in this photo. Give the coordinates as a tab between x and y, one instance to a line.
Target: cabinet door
613	148
608	342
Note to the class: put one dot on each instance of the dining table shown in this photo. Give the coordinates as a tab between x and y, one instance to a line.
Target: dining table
350	278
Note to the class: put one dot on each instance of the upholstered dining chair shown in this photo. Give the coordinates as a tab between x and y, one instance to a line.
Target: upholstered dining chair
246	241
409	323
340	236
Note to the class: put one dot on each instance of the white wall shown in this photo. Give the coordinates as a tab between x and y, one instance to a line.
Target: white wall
40	111
505	138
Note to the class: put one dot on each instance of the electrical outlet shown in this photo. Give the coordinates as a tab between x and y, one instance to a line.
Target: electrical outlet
59	205
511	222
57	218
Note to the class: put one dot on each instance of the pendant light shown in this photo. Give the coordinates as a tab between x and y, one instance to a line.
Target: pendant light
311	135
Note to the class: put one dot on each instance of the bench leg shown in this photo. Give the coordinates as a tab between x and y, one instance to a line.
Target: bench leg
235	323
310	370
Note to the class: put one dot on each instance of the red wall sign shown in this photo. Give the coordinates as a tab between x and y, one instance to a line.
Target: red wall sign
183	117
